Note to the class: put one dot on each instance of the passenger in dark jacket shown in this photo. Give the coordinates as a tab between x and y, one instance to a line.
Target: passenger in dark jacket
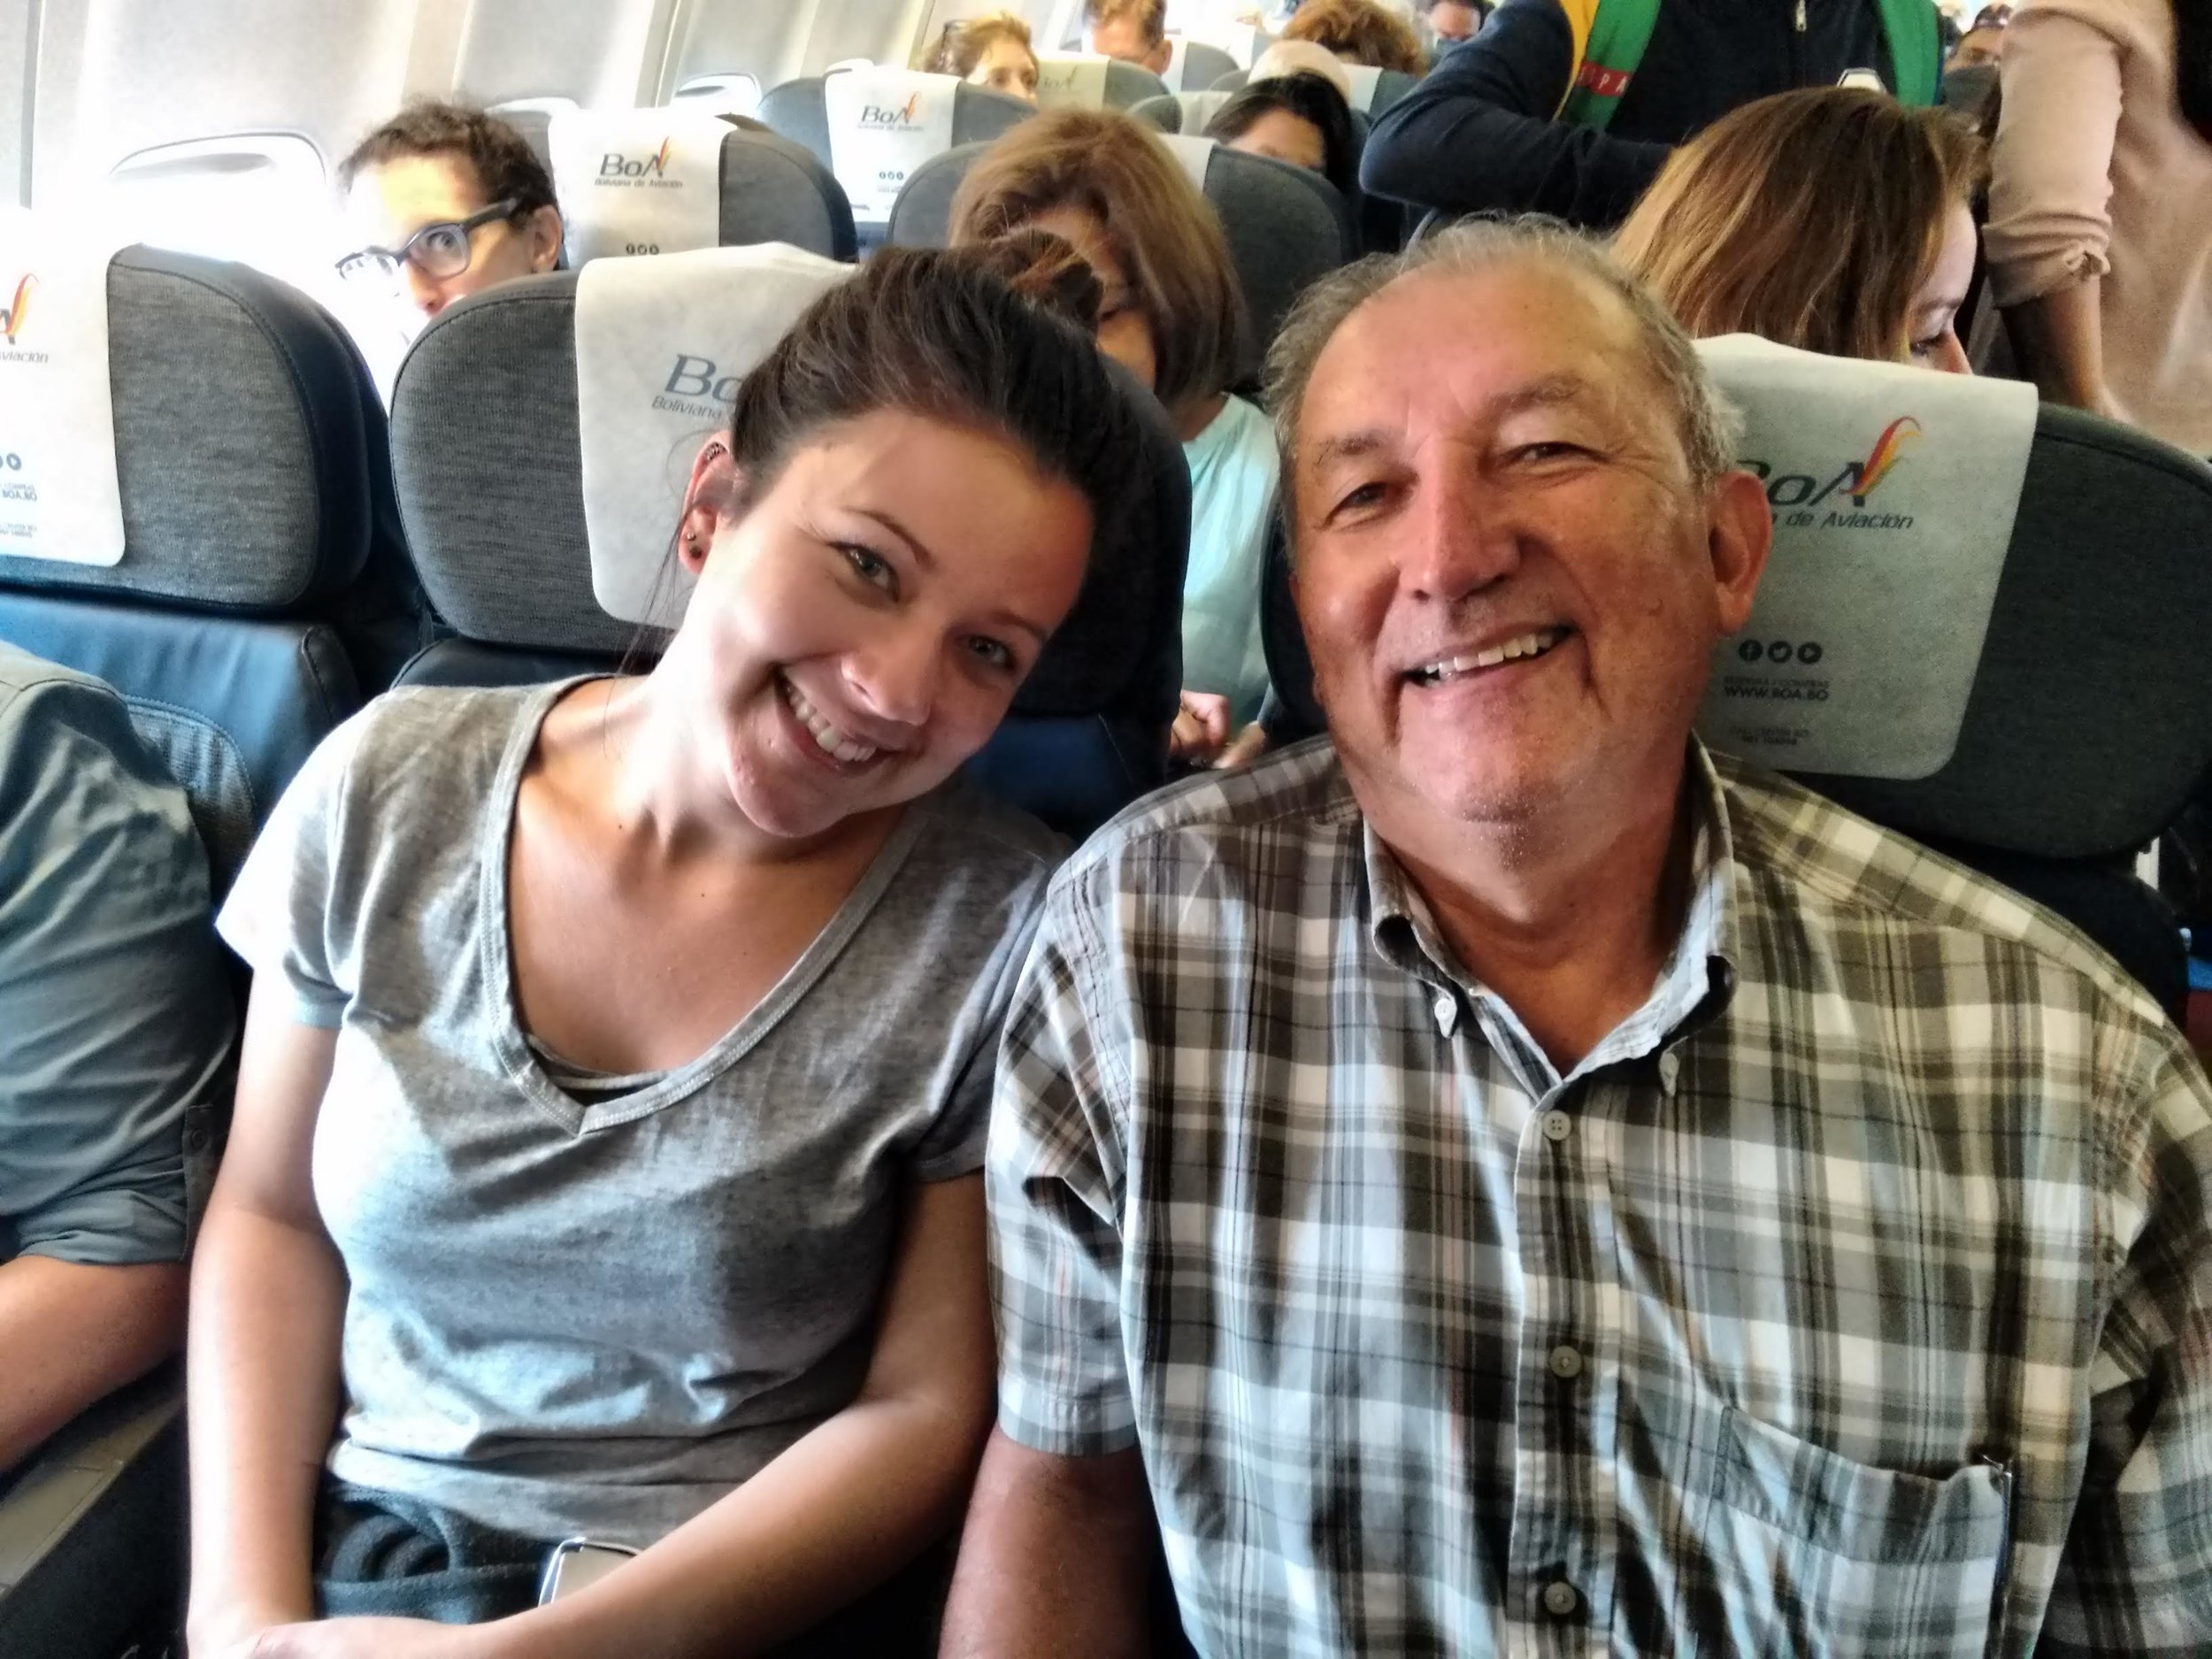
1479	133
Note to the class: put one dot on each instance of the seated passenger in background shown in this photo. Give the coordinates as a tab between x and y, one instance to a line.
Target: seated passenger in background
1451	22
992	51
1514	1181
1300	118
1836	221
444	202
617	1068
1983	42
1359	32
1503	126
1134	31
115	1020
1174	316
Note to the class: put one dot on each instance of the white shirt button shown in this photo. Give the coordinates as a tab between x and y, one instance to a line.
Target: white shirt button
1557	1126
1447	1008
1566	1363
1560	1598
1669	1069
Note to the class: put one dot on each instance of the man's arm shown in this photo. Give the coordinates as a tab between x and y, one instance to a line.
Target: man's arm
1476	134
114	1020
2136	1577
73	1333
1056	1558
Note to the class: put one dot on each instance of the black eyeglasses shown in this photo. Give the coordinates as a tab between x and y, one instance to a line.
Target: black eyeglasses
438	252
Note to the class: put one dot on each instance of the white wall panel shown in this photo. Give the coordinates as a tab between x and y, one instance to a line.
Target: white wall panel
601	53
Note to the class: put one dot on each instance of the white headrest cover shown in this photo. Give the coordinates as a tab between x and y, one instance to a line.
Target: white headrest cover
1193	155
58	495
637	182
883	124
1893	491
661	346
1363	78
1071	81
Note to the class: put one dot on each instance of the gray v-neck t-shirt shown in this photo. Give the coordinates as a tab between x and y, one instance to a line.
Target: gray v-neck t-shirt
600	1317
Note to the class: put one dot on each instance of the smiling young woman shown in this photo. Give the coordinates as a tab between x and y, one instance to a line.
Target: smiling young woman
619	1050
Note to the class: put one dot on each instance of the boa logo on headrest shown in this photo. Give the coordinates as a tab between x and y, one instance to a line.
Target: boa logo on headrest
892	118
1888	449
616	166
19	308
1797	494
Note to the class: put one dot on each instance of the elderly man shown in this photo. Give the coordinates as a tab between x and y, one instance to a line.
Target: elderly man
1511	1181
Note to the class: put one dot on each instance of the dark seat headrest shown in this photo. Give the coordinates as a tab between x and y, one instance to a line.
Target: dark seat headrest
773	189
249	444
799	110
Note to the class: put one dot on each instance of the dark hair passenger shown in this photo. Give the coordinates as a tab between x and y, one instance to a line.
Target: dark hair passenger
1300	118
443	201
619	1053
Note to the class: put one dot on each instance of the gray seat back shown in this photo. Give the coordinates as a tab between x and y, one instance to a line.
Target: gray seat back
773	190
262	566
1183	112
797	112
1197	66
485	445
1285	226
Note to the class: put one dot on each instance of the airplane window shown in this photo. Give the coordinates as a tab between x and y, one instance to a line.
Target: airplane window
244	196
721	95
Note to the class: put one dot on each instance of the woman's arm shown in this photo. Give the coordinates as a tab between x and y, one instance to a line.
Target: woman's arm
2049	235
846	1506
268	1297
2059	339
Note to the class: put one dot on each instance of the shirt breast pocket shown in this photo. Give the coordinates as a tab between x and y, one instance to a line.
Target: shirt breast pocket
1814	1555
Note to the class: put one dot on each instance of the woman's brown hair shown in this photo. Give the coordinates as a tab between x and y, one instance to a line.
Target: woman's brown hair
1359	32
1161	230
963	45
1809	218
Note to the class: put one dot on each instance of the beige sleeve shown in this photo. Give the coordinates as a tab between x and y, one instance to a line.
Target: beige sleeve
2049	223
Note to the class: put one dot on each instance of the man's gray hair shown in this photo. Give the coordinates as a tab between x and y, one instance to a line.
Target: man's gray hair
1709	428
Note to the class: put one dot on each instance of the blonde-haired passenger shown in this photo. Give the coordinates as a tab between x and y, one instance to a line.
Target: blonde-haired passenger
1174	316
993	51
1834	220
1359	32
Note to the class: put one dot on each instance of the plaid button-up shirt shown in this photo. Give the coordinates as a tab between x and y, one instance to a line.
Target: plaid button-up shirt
1854	1297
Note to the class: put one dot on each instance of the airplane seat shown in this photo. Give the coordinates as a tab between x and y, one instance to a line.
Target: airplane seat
926	114
488	436
1183	112
772	189
92	1527
1373	91
2087	721
1285	226
262	583
1194	65
1086	81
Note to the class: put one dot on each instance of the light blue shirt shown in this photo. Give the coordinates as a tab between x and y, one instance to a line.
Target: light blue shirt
1232	469
115	1018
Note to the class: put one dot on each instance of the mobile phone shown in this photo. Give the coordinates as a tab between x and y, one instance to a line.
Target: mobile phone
575	1562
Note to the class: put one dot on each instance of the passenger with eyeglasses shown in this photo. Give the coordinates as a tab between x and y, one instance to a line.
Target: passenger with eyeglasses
446	201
